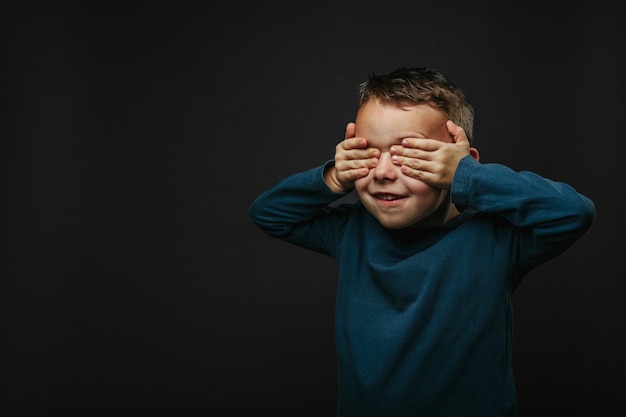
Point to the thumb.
(457, 133)
(350, 130)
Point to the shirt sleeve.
(297, 210)
(549, 216)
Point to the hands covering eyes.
(428, 160)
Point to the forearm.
(293, 201)
(550, 215)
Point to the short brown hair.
(410, 86)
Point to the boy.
(430, 254)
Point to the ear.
(474, 153)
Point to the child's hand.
(430, 160)
(353, 160)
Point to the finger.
(357, 148)
(414, 163)
(355, 174)
(415, 173)
(423, 144)
(361, 153)
(425, 176)
(457, 132)
(352, 175)
(354, 143)
(398, 153)
(355, 164)
(350, 130)
(357, 155)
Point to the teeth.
(387, 197)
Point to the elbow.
(588, 214)
(265, 221)
(258, 217)
(254, 213)
(584, 215)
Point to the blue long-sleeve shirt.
(424, 315)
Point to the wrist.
(330, 178)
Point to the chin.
(394, 224)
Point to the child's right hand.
(353, 160)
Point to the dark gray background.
(134, 139)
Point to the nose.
(385, 170)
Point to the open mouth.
(388, 197)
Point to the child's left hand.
(430, 160)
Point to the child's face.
(395, 199)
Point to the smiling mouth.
(388, 197)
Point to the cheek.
(361, 184)
(419, 188)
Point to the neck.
(446, 211)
